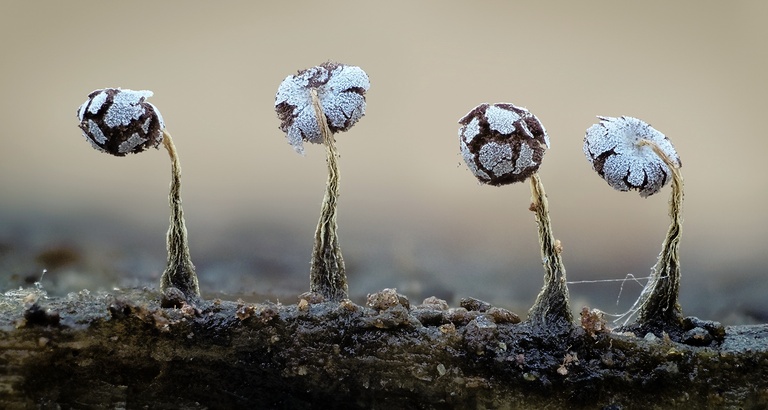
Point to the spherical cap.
(341, 90)
(502, 143)
(121, 121)
(614, 148)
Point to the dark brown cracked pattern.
(120, 121)
(502, 143)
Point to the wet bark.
(123, 350)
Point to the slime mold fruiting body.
(121, 121)
(630, 154)
(313, 105)
(503, 144)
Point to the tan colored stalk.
(327, 274)
(180, 272)
(551, 306)
(659, 300)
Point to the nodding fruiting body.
(616, 149)
(339, 88)
(503, 144)
(631, 155)
(121, 121)
(313, 105)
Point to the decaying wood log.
(124, 350)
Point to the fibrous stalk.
(551, 307)
(327, 273)
(659, 299)
(180, 272)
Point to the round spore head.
(617, 153)
(502, 143)
(341, 90)
(120, 122)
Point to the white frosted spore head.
(341, 90)
(614, 148)
(502, 143)
(120, 121)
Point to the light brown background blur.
(411, 215)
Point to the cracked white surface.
(121, 121)
(613, 148)
(499, 146)
(341, 91)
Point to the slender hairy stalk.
(180, 272)
(659, 300)
(327, 275)
(551, 306)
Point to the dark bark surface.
(123, 350)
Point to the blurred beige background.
(411, 215)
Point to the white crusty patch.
(339, 105)
(469, 158)
(497, 158)
(95, 131)
(294, 92)
(93, 143)
(81, 110)
(524, 159)
(614, 144)
(470, 130)
(132, 142)
(126, 107)
(97, 102)
(501, 120)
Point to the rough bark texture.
(123, 350)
